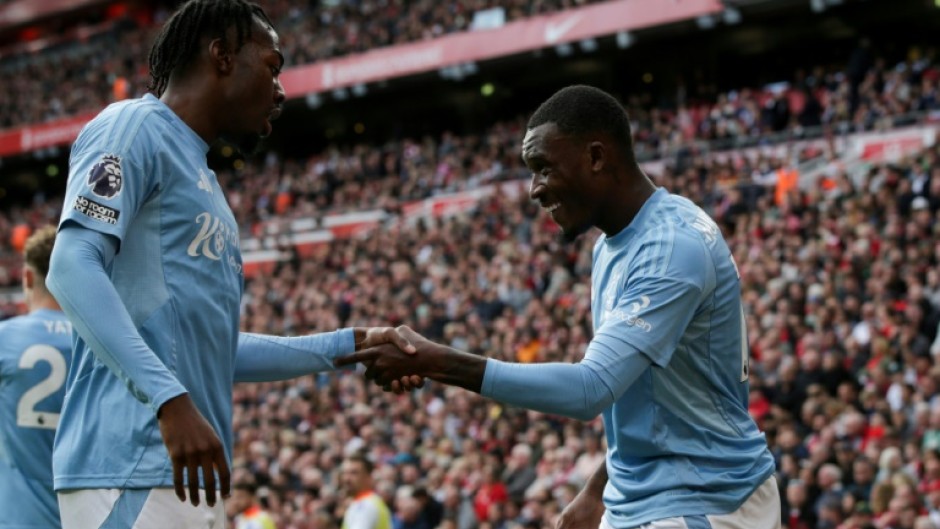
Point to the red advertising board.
(20, 12)
(35, 137)
(528, 34)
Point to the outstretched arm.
(262, 357)
(605, 373)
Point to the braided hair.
(178, 42)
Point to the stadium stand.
(828, 191)
(310, 32)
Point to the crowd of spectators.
(841, 283)
(865, 93)
(842, 292)
(840, 279)
(84, 76)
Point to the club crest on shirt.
(106, 178)
(204, 182)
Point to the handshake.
(399, 359)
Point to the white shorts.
(136, 509)
(760, 511)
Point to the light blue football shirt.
(667, 370)
(681, 441)
(35, 352)
(139, 173)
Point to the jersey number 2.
(26, 414)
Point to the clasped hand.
(391, 367)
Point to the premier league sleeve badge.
(105, 178)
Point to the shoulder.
(12, 324)
(11, 334)
(681, 223)
(670, 248)
(366, 504)
(670, 238)
(122, 127)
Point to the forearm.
(262, 358)
(555, 388)
(77, 268)
(581, 391)
(457, 368)
(596, 483)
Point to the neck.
(188, 103)
(627, 202)
(38, 300)
(363, 493)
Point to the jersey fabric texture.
(147, 227)
(667, 369)
(668, 286)
(35, 352)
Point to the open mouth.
(552, 209)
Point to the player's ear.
(597, 154)
(220, 55)
(29, 278)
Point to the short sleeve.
(665, 284)
(107, 186)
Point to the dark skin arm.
(367, 337)
(192, 444)
(386, 364)
(587, 508)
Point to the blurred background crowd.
(840, 279)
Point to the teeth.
(553, 207)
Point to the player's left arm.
(643, 327)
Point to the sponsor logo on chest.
(631, 314)
(215, 237)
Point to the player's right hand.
(192, 444)
(584, 512)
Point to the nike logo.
(554, 32)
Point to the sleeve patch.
(94, 210)
(106, 179)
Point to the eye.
(275, 71)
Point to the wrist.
(359, 337)
(180, 401)
(433, 366)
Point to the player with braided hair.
(148, 269)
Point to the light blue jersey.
(35, 352)
(139, 173)
(667, 369)
(680, 439)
